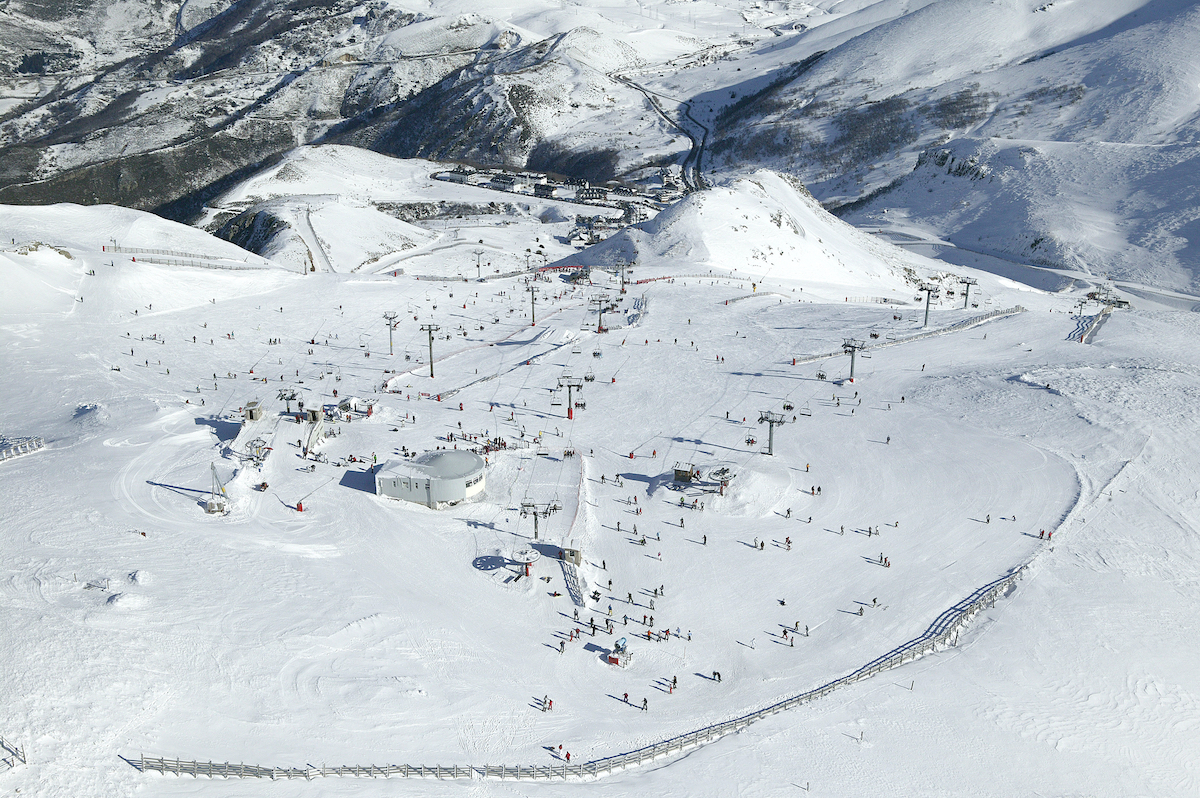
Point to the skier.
(860, 610)
(989, 519)
(789, 513)
(562, 646)
(889, 439)
(681, 523)
(627, 698)
(704, 539)
(645, 705)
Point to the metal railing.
(19, 446)
(941, 633)
(196, 264)
(10, 755)
(957, 326)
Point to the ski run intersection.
(366, 630)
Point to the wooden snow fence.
(942, 633)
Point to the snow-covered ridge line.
(942, 632)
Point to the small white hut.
(436, 479)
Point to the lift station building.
(435, 479)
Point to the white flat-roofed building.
(435, 479)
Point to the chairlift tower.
(600, 302)
(390, 318)
(532, 305)
(623, 266)
(288, 395)
(930, 293)
(431, 329)
(217, 497)
(537, 510)
(478, 253)
(773, 420)
(852, 346)
(967, 282)
(570, 382)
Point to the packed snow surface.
(364, 630)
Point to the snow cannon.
(620, 655)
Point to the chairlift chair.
(555, 399)
(821, 375)
(788, 406)
(590, 376)
(805, 411)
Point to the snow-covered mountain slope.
(366, 631)
(543, 106)
(1128, 212)
(297, 212)
(61, 260)
(92, 228)
(847, 96)
(1082, 118)
(765, 227)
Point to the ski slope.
(368, 630)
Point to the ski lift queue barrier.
(941, 633)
